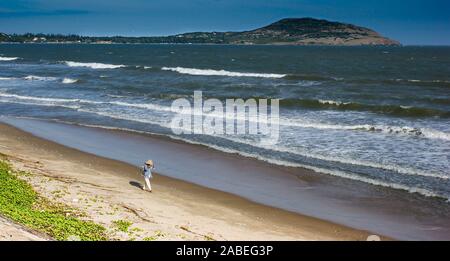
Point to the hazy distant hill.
(290, 31)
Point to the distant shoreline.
(288, 31)
(213, 44)
(218, 44)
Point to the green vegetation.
(158, 234)
(122, 225)
(19, 202)
(285, 31)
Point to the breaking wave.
(8, 58)
(7, 78)
(404, 130)
(211, 72)
(93, 65)
(39, 78)
(33, 98)
(69, 80)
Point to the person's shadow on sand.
(136, 184)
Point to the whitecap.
(331, 102)
(94, 65)
(211, 72)
(49, 104)
(5, 59)
(39, 78)
(7, 78)
(69, 80)
(33, 98)
(405, 130)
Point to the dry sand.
(108, 190)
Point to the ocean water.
(379, 115)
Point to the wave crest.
(405, 130)
(2, 58)
(39, 78)
(211, 72)
(94, 65)
(69, 80)
(7, 78)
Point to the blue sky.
(423, 22)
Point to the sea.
(377, 115)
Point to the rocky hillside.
(297, 31)
(304, 31)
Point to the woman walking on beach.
(148, 166)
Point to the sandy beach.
(109, 190)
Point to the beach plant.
(152, 238)
(122, 225)
(158, 234)
(137, 229)
(208, 238)
(20, 203)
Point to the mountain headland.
(288, 31)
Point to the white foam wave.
(441, 81)
(39, 78)
(7, 78)
(63, 100)
(94, 65)
(148, 106)
(2, 58)
(303, 83)
(46, 104)
(331, 102)
(69, 80)
(421, 81)
(116, 96)
(211, 72)
(405, 130)
(435, 134)
(33, 98)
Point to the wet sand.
(389, 212)
(176, 209)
